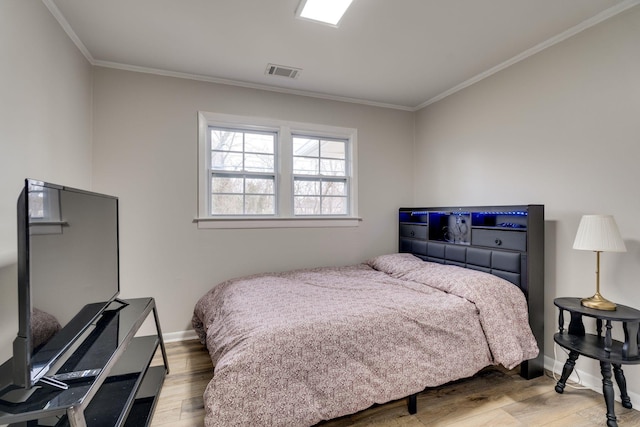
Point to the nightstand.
(601, 347)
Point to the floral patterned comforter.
(295, 348)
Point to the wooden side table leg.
(566, 371)
(607, 391)
(622, 385)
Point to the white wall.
(145, 152)
(45, 125)
(563, 129)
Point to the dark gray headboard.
(505, 264)
(507, 241)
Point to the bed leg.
(412, 403)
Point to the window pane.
(334, 188)
(330, 167)
(333, 149)
(259, 143)
(334, 206)
(226, 140)
(304, 187)
(260, 205)
(258, 162)
(305, 205)
(222, 160)
(306, 147)
(222, 204)
(305, 166)
(226, 185)
(259, 186)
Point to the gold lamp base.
(598, 302)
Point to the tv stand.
(108, 378)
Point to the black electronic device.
(68, 274)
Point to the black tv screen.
(68, 272)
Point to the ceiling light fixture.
(325, 11)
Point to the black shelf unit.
(507, 241)
(109, 377)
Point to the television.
(68, 274)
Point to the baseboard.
(180, 336)
(587, 379)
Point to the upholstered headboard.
(508, 265)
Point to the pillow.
(395, 264)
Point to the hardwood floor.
(494, 397)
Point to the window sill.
(308, 222)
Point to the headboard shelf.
(507, 241)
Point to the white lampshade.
(599, 233)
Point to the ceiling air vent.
(282, 71)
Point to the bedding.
(296, 348)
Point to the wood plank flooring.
(494, 397)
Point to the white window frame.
(284, 216)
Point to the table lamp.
(598, 233)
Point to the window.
(320, 176)
(256, 172)
(243, 180)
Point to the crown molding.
(67, 29)
(586, 24)
(230, 82)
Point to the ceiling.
(402, 54)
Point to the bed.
(299, 347)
